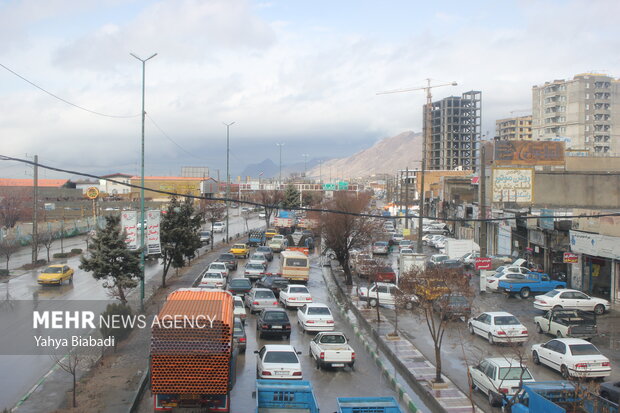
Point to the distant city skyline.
(296, 72)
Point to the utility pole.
(305, 156)
(142, 255)
(35, 223)
(280, 145)
(228, 125)
(426, 142)
(320, 171)
(407, 198)
(483, 202)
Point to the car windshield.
(440, 258)
(299, 290)
(514, 373)
(381, 244)
(552, 293)
(239, 246)
(333, 339)
(583, 350)
(240, 282)
(281, 357)
(506, 320)
(264, 294)
(263, 249)
(239, 303)
(254, 266)
(319, 311)
(53, 270)
(275, 316)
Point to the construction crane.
(426, 139)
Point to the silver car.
(260, 298)
(254, 271)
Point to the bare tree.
(70, 364)
(213, 211)
(46, 239)
(8, 247)
(434, 288)
(343, 232)
(271, 200)
(13, 207)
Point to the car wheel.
(71, 282)
(525, 292)
(605, 395)
(557, 308)
(564, 371)
(409, 305)
(372, 302)
(471, 329)
(318, 364)
(599, 309)
(490, 338)
(493, 399)
(539, 329)
(559, 334)
(535, 358)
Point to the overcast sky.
(304, 73)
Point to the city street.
(364, 380)
(26, 370)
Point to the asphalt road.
(364, 380)
(460, 348)
(26, 370)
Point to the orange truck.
(192, 359)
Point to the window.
(490, 371)
(583, 350)
(319, 311)
(281, 357)
(506, 321)
(514, 373)
(296, 262)
(382, 289)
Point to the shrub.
(4, 272)
(121, 333)
(76, 251)
(61, 255)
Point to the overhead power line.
(172, 140)
(65, 100)
(322, 210)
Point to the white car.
(219, 227)
(218, 267)
(383, 294)
(493, 281)
(295, 295)
(404, 244)
(398, 237)
(404, 251)
(499, 376)
(259, 258)
(571, 300)
(498, 327)
(278, 362)
(212, 279)
(380, 248)
(572, 357)
(315, 317)
(239, 308)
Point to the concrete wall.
(593, 163)
(577, 189)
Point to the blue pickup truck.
(534, 282)
(285, 396)
(368, 404)
(559, 397)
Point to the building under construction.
(455, 130)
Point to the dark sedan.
(229, 259)
(610, 390)
(275, 284)
(266, 251)
(273, 321)
(239, 286)
(452, 306)
(239, 335)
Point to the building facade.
(454, 132)
(583, 111)
(113, 184)
(516, 128)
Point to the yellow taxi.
(240, 250)
(270, 232)
(56, 274)
(431, 289)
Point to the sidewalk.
(113, 381)
(409, 361)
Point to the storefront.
(598, 265)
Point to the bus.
(295, 266)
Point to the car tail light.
(581, 365)
(265, 325)
(266, 373)
(605, 364)
(310, 322)
(297, 373)
(247, 273)
(503, 390)
(255, 303)
(524, 332)
(541, 302)
(322, 355)
(501, 333)
(330, 321)
(287, 326)
(275, 303)
(490, 281)
(242, 339)
(292, 298)
(353, 356)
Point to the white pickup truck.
(331, 349)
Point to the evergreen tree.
(291, 198)
(180, 235)
(112, 261)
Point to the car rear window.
(333, 339)
(275, 316)
(381, 244)
(264, 294)
(300, 290)
(212, 275)
(281, 357)
(238, 246)
(319, 311)
(506, 320)
(239, 303)
(240, 282)
(296, 262)
(583, 350)
(254, 266)
(514, 373)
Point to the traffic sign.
(329, 187)
(483, 263)
(92, 192)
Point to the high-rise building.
(455, 132)
(516, 128)
(584, 112)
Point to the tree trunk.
(48, 252)
(121, 294)
(348, 279)
(74, 386)
(438, 378)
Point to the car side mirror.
(255, 351)
(298, 352)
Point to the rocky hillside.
(386, 156)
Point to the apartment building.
(583, 111)
(515, 128)
(455, 130)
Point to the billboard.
(529, 153)
(513, 185)
(153, 245)
(129, 223)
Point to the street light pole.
(142, 184)
(280, 145)
(228, 125)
